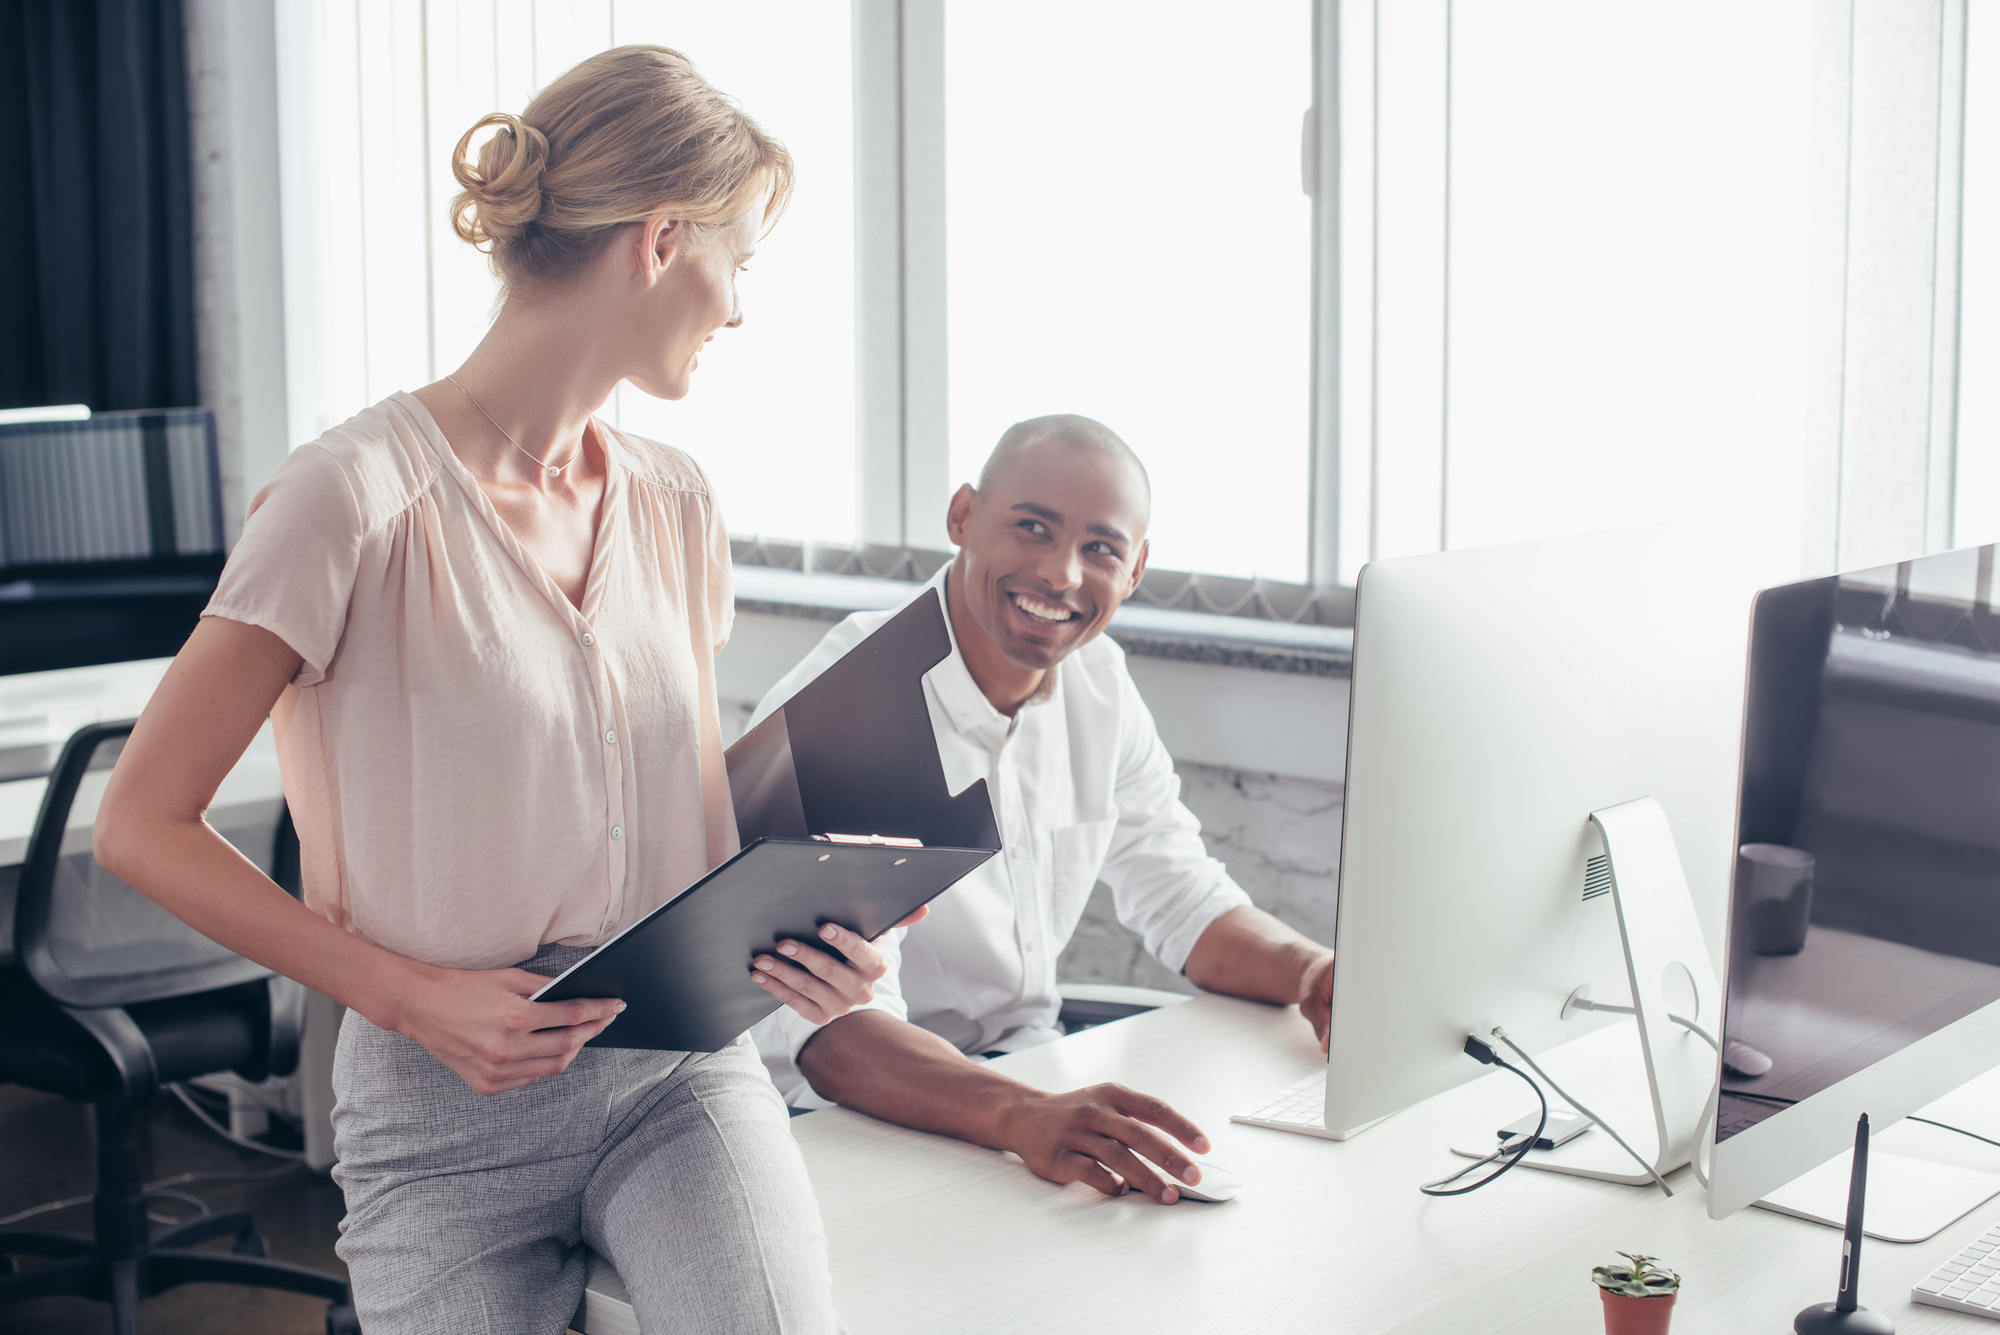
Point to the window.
(1585, 297)
(1127, 238)
(774, 400)
(381, 295)
(1562, 266)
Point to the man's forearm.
(894, 1070)
(1248, 953)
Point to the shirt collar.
(964, 703)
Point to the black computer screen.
(1865, 908)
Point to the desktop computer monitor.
(1864, 931)
(1501, 696)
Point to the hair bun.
(502, 194)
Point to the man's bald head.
(1070, 429)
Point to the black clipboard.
(851, 756)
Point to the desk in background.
(929, 1234)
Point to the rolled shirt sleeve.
(781, 1035)
(1164, 885)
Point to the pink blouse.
(475, 766)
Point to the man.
(1034, 701)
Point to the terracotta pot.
(1626, 1315)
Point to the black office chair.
(114, 997)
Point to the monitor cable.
(1515, 1048)
(1481, 1051)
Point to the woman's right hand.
(481, 1024)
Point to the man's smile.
(1041, 609)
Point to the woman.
(484, 626)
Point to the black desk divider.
(852, 753)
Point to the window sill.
(1147, 632)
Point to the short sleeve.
(293, 570)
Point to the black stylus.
(1845, 1315)
(1850, 1252)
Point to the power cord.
(1562, 1094)
(1482, 1051)
(180, 1092)
(164, 1187)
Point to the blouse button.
(611, 737)
(588, 639)
(618, 832)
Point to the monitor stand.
(1653, 1091)
(1909, 1200)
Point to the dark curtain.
(96, 214)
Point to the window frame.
(902, 442)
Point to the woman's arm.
(151, 833)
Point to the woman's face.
(689, 294)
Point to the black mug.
(1778, 883)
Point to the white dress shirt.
(1082, 791)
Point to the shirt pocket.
(1076, 859)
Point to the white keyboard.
(1968, 1282)
(1300, 1107)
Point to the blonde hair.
(625, 134)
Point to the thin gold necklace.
(553, 470)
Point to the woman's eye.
(1033, 526)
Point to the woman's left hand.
(816, 984)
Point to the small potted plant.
(1638, 1295)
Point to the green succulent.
(1644, 1277)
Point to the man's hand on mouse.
(1089, 1135)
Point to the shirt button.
(588, 639)
(1018, 852)
(611, 737)
(618, 832)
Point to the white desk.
(931, 1235)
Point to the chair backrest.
(90, 940)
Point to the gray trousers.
(470, 1214)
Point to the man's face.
(1051, 548)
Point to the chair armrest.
(125, 1044)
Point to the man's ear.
(958, 516)
(1139, 567)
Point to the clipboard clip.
(877, 840)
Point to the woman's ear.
(661, 240)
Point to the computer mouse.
(1217, 1183)
(1740, 1059)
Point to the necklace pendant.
(555, 470)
